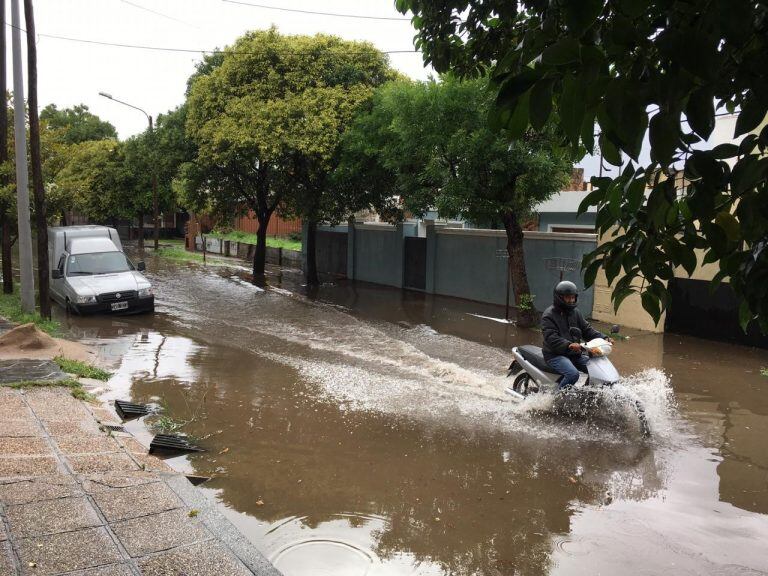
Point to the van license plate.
(119, 305)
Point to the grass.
(75, 387)
(246, 238)
(10, 309)
(764, 371)
(179, 253)
(168, 425)
(81, 369)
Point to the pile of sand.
(28, 341)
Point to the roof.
(567, 201)
(91, 245)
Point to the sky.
(71, 72)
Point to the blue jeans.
(569, 367)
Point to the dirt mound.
(28, 341)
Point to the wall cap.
(530, 234)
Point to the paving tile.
(133, 501)
(19, 370)
(112, 570)
(27, 466)
(51, 517)
(133, 446)
(67, 552)
(14, 411)
(152, 463)
(24, 447)
(87, 444)
(3, 534)
(6, 564)
(19, 428)
(95, 463)
(205, 559)
(24, 491)
(75, 427)
(158, 532)
(94, 483)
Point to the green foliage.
(82, 369)
(180, 253)
(526, 302)
(430, 144)
(764, 371)
(247, 238)
(75, 387)
(10, 309)
(267, 118)
(76, 124)
(636, 68)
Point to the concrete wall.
(465, 263)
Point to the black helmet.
(565, 288)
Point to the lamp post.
(156, 233)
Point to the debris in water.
(224, 451)
(193, 513)
(259, 502)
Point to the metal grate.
(113, 427)
(197, 480)
(173, 443)
(127, 410)
(114, 296)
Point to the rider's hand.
(576, 347)
(611, 340)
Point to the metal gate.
(415, 263)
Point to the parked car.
(91, 274)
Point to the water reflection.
(326, 469)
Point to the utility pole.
(41, 214)
(22, 184)
(5, 216)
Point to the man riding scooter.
(561, 353)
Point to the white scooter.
(533, 375)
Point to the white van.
(91, 274)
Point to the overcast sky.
(73, 72)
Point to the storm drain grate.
(113, 427)
(128, 410)
(170, 442)
(197, 480)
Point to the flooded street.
(365, 431)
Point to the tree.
(636, 67)
(76, 124)
(259, 119)
(7, 204)
(41, 216)
(433, 137)
(96, 179)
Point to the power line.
(174, 49)
(335, 14)
(155, 12)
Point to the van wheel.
(69, 308)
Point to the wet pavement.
(364, 430)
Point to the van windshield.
(98, 263)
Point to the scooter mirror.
(615, 329)
(576, 334)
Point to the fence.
(276, 227)
(465, 263)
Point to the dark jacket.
(556, 326)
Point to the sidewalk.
(78, 496)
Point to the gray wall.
(464, 263)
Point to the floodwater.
(362, 430)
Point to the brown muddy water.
(364, 431)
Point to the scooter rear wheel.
(520, 384)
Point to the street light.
(154, 176)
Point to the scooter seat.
(534, 355)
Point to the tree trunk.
(64, 217)
(41, 215)
(310, 272)
(7, 253)
(519, 277)
(4, 217)
(260, 254)
(141, 231)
